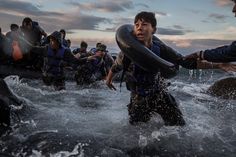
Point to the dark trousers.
(4, 113)
(141, 108)
(57, 81)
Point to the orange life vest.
(17, 53)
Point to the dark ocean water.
(88, 121)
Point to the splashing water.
(93, 121)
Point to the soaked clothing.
(54, 62)
(57, 82)
(109, 61)
(221, 54)
(141, 108)
(53, 68)
(94, 70)
(148, 92)
(32, 36)
(65, 43)
(91, 71)
(80, 51)
(16, 51)
(4, 112)
(5, 49)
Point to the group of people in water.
(30, 47)
(148, 91)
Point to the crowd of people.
(29, 46)
(148, 94)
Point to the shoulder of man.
(167, 52)
(234, 43)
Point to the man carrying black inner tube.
(148, 92)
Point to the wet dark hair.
(147, 17)
(63, 31)
(102, 47)
(27, 20)
(98, 44)
(14, 27)
(83, 44)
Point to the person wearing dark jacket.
(225, 53)
(96, 69)
(82, 51)
(148, 90)
(5, 49)
(32, 31)
(54, 58)
(12, 35)
(63, 40)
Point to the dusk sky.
(186, 25)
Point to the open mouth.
(140, 36)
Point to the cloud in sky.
(86, 22)
(192, 45)
(169, 31)
(104, 5)
(142, 5)
(223, 3)
(218, 17)
(178, 27)
(176, 30)
(14, 11)
(90, 18)
(159, 13)
(25, 8)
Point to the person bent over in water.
(82, 51)
(95, 69)
(148, 90)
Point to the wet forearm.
(118, 65)
(208, 65)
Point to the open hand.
(228, 67)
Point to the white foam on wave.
(78, 151)
(13, 80)
(194, 89)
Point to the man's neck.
(148, 43)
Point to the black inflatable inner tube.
(141, 55)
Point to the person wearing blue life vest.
(55, 57)
(225, 53)
(148, 90)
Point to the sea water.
(91, 120)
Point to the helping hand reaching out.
(228, 67)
